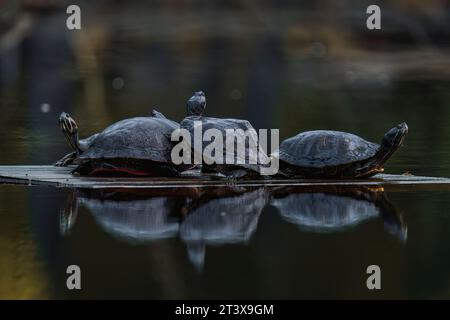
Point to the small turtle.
(137, 146)
(332, 154)
(244, 164)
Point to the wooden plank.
(61, 177)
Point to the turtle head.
(196, 104)
(70, 129)
(395, 136)
(67, 124)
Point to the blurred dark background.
(292, 65)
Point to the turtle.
(326, 154)
(138, 146)
(246, 164)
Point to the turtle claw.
(235, 175)
(62, 163)
(66, 160)
(231, 180)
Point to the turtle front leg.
(235, 175)
(68, 159)
(367, 174)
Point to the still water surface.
(227, 243)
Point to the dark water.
(261, 243)
(275, 67)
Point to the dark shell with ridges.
(322, 148)
(146, 138)
(250, 160)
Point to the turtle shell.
(248, 133)
(146, 138)
(321, 148)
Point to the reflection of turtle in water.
(133, 218)
(229, 219)
(246, 163)
(213, 216)
(333, 154)
(136, 146)
(336, 210)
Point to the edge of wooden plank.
(60, 177)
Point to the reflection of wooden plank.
(61, 177)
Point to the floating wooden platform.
(61, 177)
